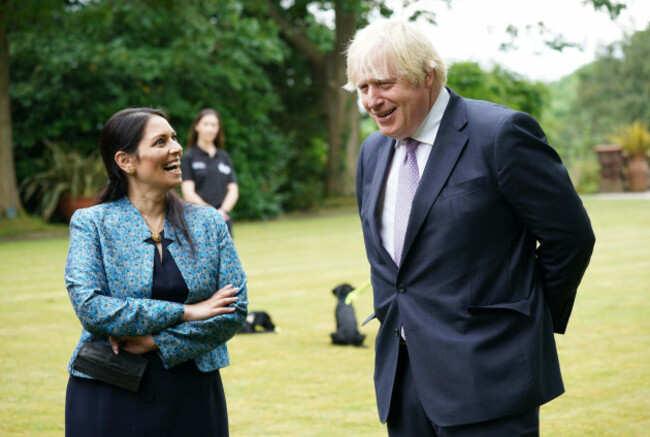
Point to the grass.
(295, 383)
(25, 226)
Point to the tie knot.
(411, 144)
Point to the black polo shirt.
(211, 176)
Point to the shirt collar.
(427, 131)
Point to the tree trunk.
(9, 201)
(342, 112)
(340, 106)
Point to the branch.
(295, 37)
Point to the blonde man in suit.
(477, 242)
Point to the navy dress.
(181, 401)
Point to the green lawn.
(294, 383)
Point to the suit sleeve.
(359, 179)
(99, 312)
(535, 183)
(189, 340)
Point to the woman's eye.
(160, 141)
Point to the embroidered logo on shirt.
(198, 165)
(223, 168)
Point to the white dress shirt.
(426, 135)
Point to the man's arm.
(537, 186)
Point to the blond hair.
(389, 48)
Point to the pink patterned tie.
(407, 183)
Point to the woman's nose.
(176, 147)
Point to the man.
(477, 242)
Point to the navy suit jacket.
(496, 245)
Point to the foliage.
(498, 85)
(558, 41)
(303, 123)
(634, 138)
(179, 55)
(615, 90)
(64, 171)
(587, 107)
(585, 174)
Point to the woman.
(142, 273)
(208, 175)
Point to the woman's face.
(158, 161)
(207, 128)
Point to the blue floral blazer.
(109, 275)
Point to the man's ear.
(124, 161)
(430, 78)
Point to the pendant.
(155, 236)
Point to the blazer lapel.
(185, 260)
(137, 255)
(447, 148)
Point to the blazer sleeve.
(535, 183)
(189, 340)
(99, 312)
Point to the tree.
(498, 85)
(589, 105)
(301, 30)
(177, 55)
(9, 200)
(298, 24)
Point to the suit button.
(401, 288)
(396, 332)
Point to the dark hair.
(122, 133)
(220, 139)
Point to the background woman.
(208, 175)
(142, 273)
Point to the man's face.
(397, 106)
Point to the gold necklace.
(155, 235)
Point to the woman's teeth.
(174, 165)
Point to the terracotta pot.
(69, 204)
(637, 173)
(610, 158)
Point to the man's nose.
(373, 96)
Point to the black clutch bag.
(98, 360)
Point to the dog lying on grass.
(257, 322)
(346, 320)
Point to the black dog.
(346, 320)
(257, 322)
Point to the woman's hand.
(215, 305)
(136, 345)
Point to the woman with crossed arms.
(154, 276)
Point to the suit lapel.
(447, 148)
(385, 156)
